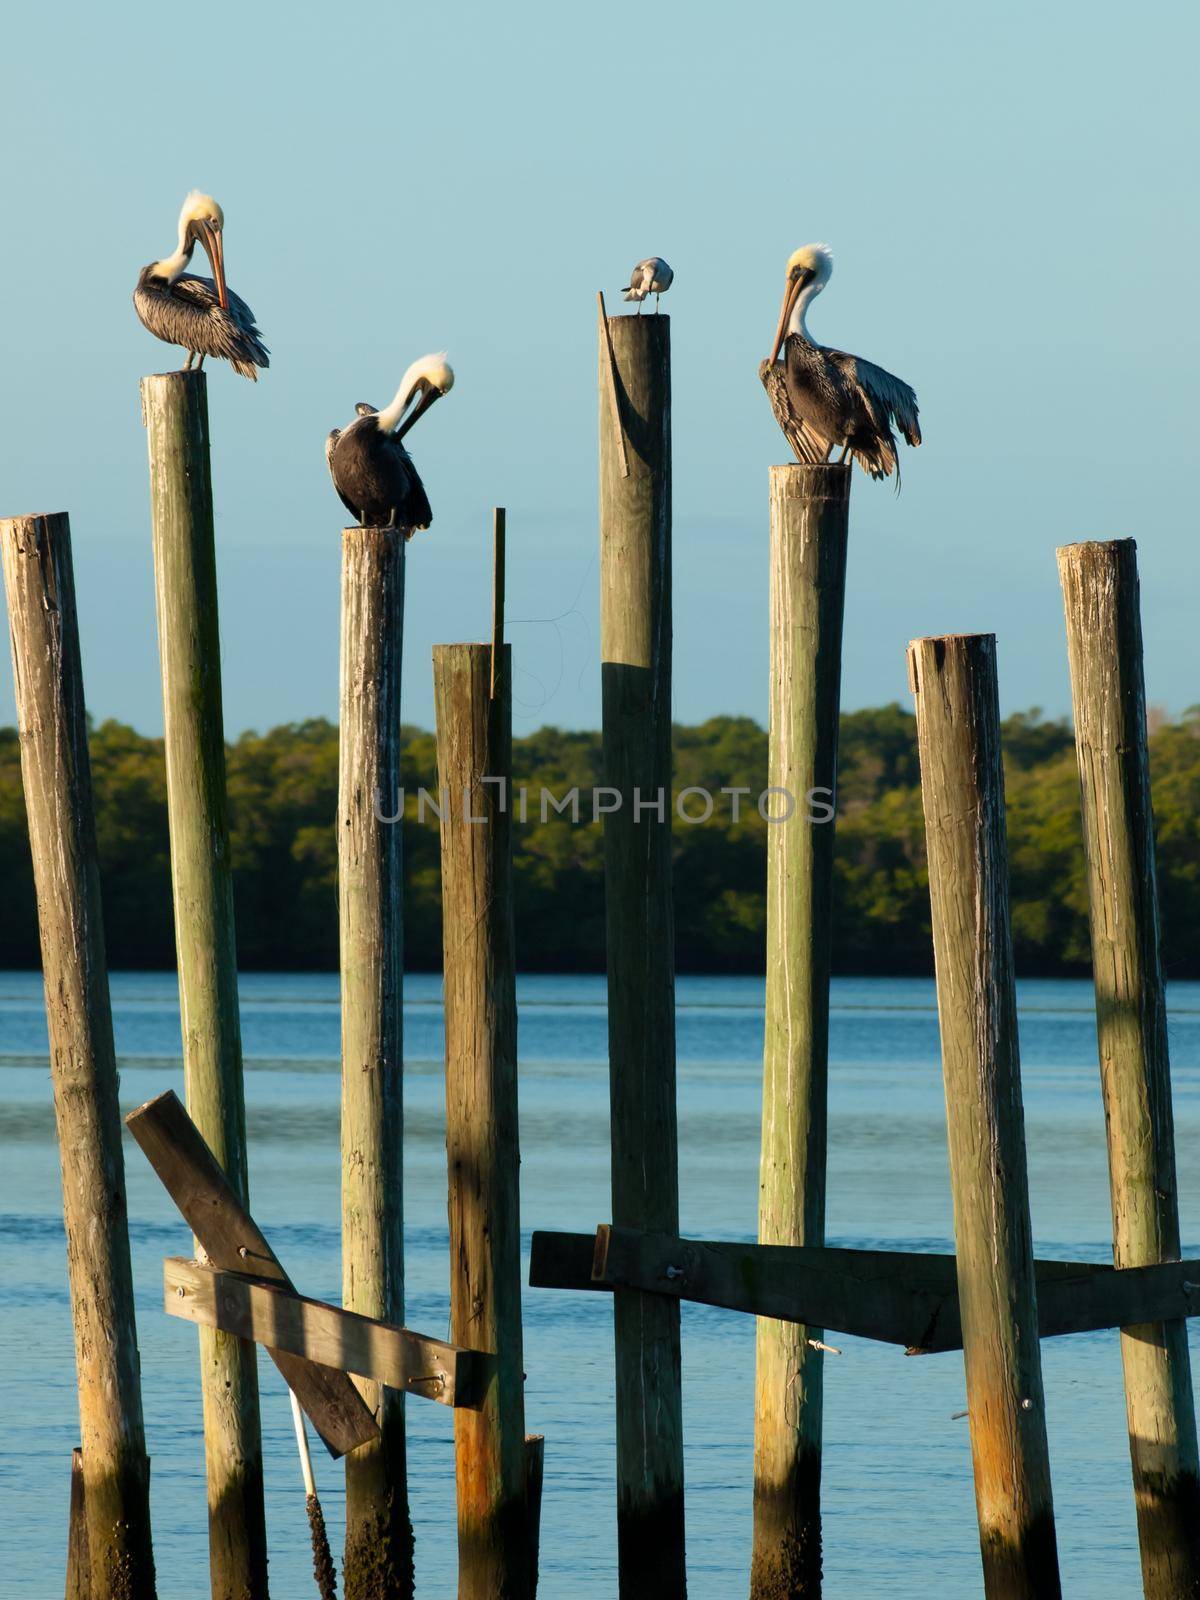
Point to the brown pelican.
(201, 314)
(371, 470)
(651, 276)
(822, 397)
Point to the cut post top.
(936, 648)
(817, 480)
(14, 524)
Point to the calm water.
(898, 1500)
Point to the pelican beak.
(790, 294)
(431, 394)
(214, 249)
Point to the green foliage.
(283, 798)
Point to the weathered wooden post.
(115, 1559)
(635, 641)
(962, 784)
(175, 410)
(1104, 641)
(379, 1553)
(474, 736)
(809, 517)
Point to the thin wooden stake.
(56, 773)
(1104, 642)
(809, 521)
(474, 739)
(635, 638)
(962, 784)
(608, 380)
(498, 561)
(175, 409)
(79, 1577)
(535, 1468)
(379, 1554)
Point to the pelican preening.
(201, 314)
(651, 276)
(822, 397)
(371, 470)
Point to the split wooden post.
(635, 640)
(175, 411)
(962, 784)
(56, 772)
(474, 739)
(1104, 641)
(379, 1554)
(809, 522)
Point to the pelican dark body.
(202, 315)
(823, 397)
(372, 472)
(374, 475)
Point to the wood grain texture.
(962, 785)
(231, 1240)
(810, 508)
(273, 1315)
(635, 642)
(378, 1559)
(56, 774)
(474, 743)
(175, 411)
(1104, 645)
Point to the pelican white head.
(200, 219)
(427, 380)
(809, 269)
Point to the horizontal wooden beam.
(231, 1240)
(899, 1297)
(281, 1319)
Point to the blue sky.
(1009, 192)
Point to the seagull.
(651, 276)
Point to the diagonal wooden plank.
(232, 1241)
(899, 1297)
(279, 1318)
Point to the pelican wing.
(890, 398)
(804, 440)
(232, 335)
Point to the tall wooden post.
(379, 1554)
(635, 642)
(175, 410)
(962, 784)
(809, 516)
(474, 736)
(56, 771)
(1104, 641)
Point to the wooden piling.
(56, 772)
(474, 738)
(635, 637)
(1104, 641)
(379, 1551)
(175, 411)
(809, 520)
(962, 784)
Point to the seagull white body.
(651, 276)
